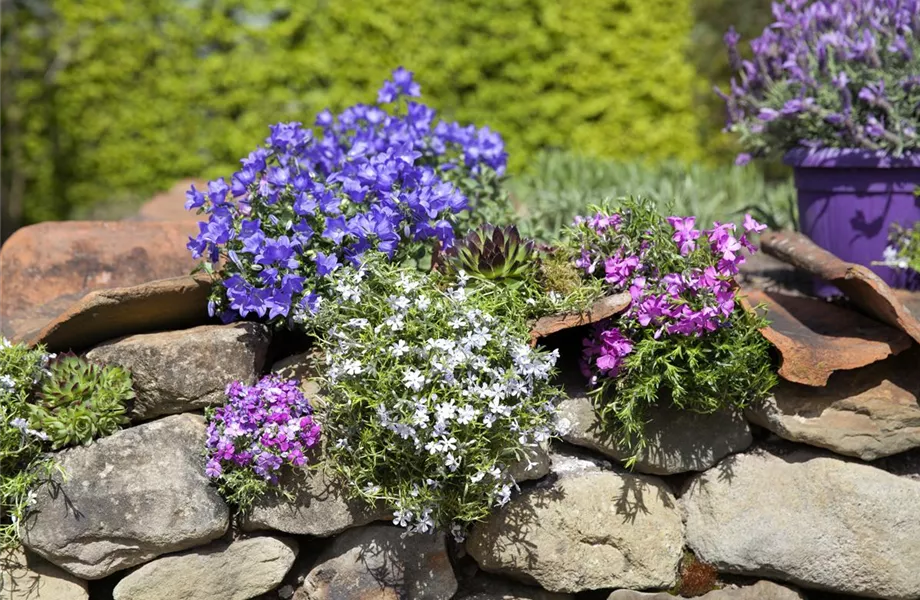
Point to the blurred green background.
(106, 102)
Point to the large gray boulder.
(585, 528)
(678, 440)
(319, 506)
(377, 561)
(809, 519)
(869, 413)
(762, 590)
(189, 369)
(237, 570)
(128, 498)
(26, 576)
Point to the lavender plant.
(431, 396)
(260, 429)
(684, 339)
(829, 74)
(386, 177)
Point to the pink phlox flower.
(619, 269)
(684, 233)
(751, 225)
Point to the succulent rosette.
(829, 74)
(386, 177)
(495, 253)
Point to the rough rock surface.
(534, 465)
(103, 315)
(678, 441)
(237, 570)
(589, 529)
(320, 507)
(128, 498)
(486, 587)
(870, 412)
(377, 562)
(762, 590)
(179, 371)
(25, 576)
(46, 267)
(809, 519)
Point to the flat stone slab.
(869, 413)
(810, 519)
(104, 315)
(319, 506)
(762, 590)
(128, 498)
(602, 309)
(816, 338)
(237, 570)
(187, 369)
(590, 529)
(678, 440)
(44, 268)
(27, 576)
(378, 561)
(863, 287)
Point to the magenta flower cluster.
(696, 295)
(374, 177)
(829, 73)
(261, 428)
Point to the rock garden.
(348, 375)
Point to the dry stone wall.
(136, 518)
(814, 494)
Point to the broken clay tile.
(815, 338)
(102, 315)
(600, 310)
(863, 287)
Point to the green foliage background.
(112, 99)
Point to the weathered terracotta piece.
(815, 338)
(103, 315)
(45, 268)
(600, 310)
(863, 287)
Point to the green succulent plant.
(496, 254)
(81, 401)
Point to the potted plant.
(834, 86)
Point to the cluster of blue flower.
(305, 203)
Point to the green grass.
(560, 185)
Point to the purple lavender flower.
(862, 51)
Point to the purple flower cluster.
(308, 201)
(261, 428)
(829, 73)
(684, 290)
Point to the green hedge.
(119, 98)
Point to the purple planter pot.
(848, 200)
